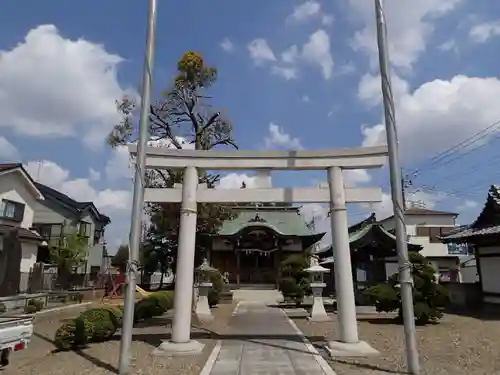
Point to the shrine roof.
(486, 224)
(285, 221)
(364, 234)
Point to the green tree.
(183, 117)
(429, 297)
(70, 253)
(120, 259)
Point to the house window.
(84, 229)
(433, 233)
(12, 210)
(98, 234)
(49, 231)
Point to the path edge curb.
(310, 347)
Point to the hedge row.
(99, 324)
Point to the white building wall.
(13, 186)
(429, 249)
(490, 277)
(29, 254)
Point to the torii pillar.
(348, 344)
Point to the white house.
(426, 227)
(18, 197)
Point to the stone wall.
(464, 295)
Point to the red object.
(113, 285)
(19, 346)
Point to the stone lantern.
(318, 313)
(202, 309)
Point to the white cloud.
(370, 89)
(440, 114)
(449, 45)
(278, 138)
(306, 99)
(260, 52)
(482, 32)
(51, 86)
(94, 175)
(305, 11)
(317, 52)
(385, 209)
(290, 55)
(51, 174)
(285, 72)
(7, 150)
(235, 180)
(355, 177)
(227, 45)
(327, 19)
(309, 10)
(119, 164)
(467, 205)
(410, 26)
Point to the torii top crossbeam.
(348, 158)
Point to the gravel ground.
(102, 358)
(457, 345)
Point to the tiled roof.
(8, 166)
(23, 232)
(367, 227)
(424, 212)
(485, 223)
(284, 221)
(72, 204)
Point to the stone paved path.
(264, 342)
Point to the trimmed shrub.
(428, 296)
(65, 336)
(103, 322)
(217, 287)
(213, 297)
(83, 331)
(30, 309)
(165, 299)
(37, 303)
(2, 308)
(116, 315)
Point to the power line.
(442, 156)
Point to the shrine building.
(250, 248)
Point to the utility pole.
(138, 197)
(405, 277)
(405, 183)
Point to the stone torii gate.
(191, 193)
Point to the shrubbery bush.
(30, 309)
(33, 306)
(428, 296)
(37, 303)
(101, 323)
(294, 281)
(217, 288)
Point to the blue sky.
(291, 74)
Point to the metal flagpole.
(138, 198)
(406, 281)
